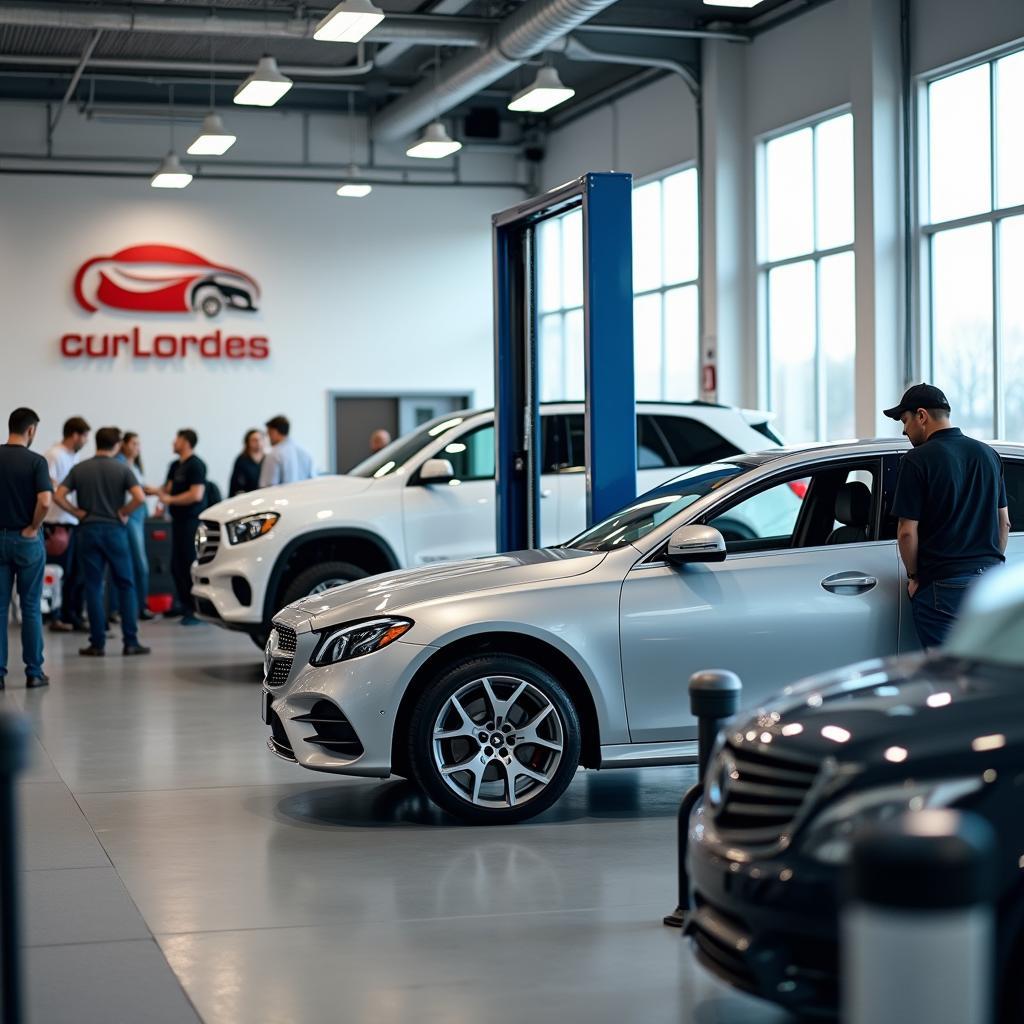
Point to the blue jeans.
(140, 564)
(22, 561)
(101, 545)
(936, 606)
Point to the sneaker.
(134, 649)
(146, 615)
(190, 620)
(61, 627)
(92, 652)
(31, 682)
(114, 617)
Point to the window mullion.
(998, 406)
(819, 371)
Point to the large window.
(665, 272)
(805, 246)
(973, 231)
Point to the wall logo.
(163, 279)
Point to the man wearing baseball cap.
(951, 503)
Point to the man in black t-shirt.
(184, 496)
(100, 485)
(950, 499)
(25, 493)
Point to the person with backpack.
(184, 495)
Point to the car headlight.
(357, 639)
(250, 527)
(830, 835)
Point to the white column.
(728, 337)
(874, 42)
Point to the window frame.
(562, 311)
(925, 230)
(764, 266)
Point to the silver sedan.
(490, 682)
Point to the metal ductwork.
(440, 31)
(534, 27)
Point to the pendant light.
(213, 139)
(170, 173)
(349, 22)
(435, 143)
(546, 91)
(265, 86)
(352, 187)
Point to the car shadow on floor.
(620, 795)
(242, 673)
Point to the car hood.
(317, 494)
(936, 706)
(400, 592)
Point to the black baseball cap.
(920, 396)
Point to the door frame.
(332, 421)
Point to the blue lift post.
(610, 393)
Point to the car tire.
(211, 305)
(519, 701)
(318, 578)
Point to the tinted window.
(472, 454)
(651, 450)
(693, 443)
(1014, 472)
(554, 444)
(655, 447)
(392, 458)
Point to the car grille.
(762, 793)
(207, 541)
(722, 943)
(332, 730)
(283, 645)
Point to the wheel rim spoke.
(479, 756)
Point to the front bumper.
(339, 718)
(769, 927)
(229, 590)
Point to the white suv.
(428, 497)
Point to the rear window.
(694, 443)
(765, 429)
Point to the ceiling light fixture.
(353, 188)
(349, 22)
(731, 3)
(265, 86)
(170, 174)
(434, 144)
(546, 91)
(213, 139)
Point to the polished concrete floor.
(175, 871)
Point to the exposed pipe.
(187, 66)
(572, 48)
(531, 29)
(421, 28)
(654, 32)
(387, 55)
(73, 84)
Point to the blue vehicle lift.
(610, 394)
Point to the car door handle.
(847, 581)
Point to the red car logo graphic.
(162, 279)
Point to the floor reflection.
(618, 795)
(242, 672)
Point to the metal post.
(714, 699)
(14, 733)
(917, 929)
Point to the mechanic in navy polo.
(950, 499)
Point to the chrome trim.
(639, 755)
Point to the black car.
(787, 788)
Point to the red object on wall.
(709, 378)
(163, 279)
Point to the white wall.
(389, 293)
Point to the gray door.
(799, 593)
(355, 419)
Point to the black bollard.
(14, 733)
(714, 699)
(917, 925)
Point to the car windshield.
(656, 507)
(392, 458)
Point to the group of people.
(88, 517)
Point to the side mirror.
(437, 471)
(695, 544)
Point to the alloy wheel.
(498, 741)
(327, 585)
